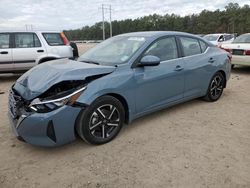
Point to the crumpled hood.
(40, 78)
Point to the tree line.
(234, 19)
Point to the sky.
(72, 14)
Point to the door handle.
(4, 52)
(178, 68)
(211, 60)
(40, 51)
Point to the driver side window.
(165, 49)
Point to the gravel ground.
(195, 144)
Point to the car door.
(158, 85)
(6, 62)
(198, 66)
(27, 48)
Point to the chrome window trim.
(166, 61)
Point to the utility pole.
(106, 8)
(103, 24)
(110, 20)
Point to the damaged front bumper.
(50, 129)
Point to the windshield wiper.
(90, 62)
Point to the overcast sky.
(71, 14)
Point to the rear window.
(190, 46)
(203, 46)
(53, 39)
(26, 40)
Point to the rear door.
(6, 62)
(199, 65)
(27, 49)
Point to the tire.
(101, 122)
(232, 66)
(215, 88)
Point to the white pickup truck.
(21, 50)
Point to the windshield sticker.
(124, 58)
(137, 38)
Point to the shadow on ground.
(241, 70)
(9, 77)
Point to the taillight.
(64, 38)
(229, 55)
(226, 49)
(247, 52)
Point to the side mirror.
(150, 60)
(221, 40)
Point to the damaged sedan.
(119, 80)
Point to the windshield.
(242, 39)
(211, 37)
(114, 51)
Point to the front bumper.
(46, 129)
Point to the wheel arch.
(124, 104)
(44, 59)
(224, 75)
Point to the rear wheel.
(215, 88)
(101, 121)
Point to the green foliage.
(234, 19)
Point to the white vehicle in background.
(219, 38)
(240, 50)
(19, 51)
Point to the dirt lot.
(195, 144)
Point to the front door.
(6, 62)
(162, 84)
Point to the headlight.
(43, 106)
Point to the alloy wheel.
(216, 86)
(104, 121)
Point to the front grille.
(237, 52)
(15, 104)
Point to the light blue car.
(119, 80)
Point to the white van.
(21, 50)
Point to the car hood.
(40, 78)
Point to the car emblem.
(238, 46)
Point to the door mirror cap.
(150, 60)
(221, 40)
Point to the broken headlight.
(48, 105)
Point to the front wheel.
(215, 88)
(101, 121)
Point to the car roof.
(153, 34)
(219, 34)
(29, 31)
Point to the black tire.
(101, 122)
(75, 49)
(215, 88)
